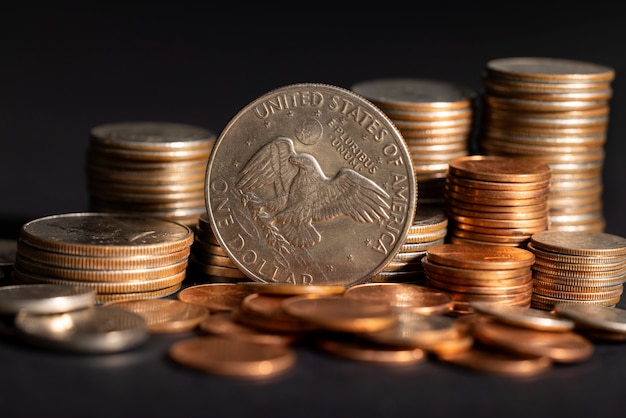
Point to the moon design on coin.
(304, 194)
(309, 132)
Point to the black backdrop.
(66, 67)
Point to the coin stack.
(120, 256)
(436, 120)
(478, 272)
(430, 227)
(556, 111)
(577, 267)
(208, 257)
(149, 168)
(497, 200)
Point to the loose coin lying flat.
(310, 184)
(217, 297)
(523, 316)
(224, 324)
(498, 362)
(165, 315)
(560, 347)
(338, 313)
(287, 289)
(45, 298)
(90, 330)
(353, 349)
(232, 357)
(601, 318)
(403, 296)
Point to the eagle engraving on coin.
(288, 191)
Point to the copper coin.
(338, 313)
(523, 316)
(367, 351)
(232, 357)
(560, 347)
(165, 315)
(403, 296)
(215, 296)
(498, 362)
(485, 257)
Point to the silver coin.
(523, 316)
(90, 330)
(44, 298)
(148, 135)
(589, 315)
(310, 184)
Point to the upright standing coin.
(310, 184)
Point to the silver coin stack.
(434, 117)
(556, 111)
(149, 168)
(120, 256)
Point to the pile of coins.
(120, 256)
(582, 267)
(149, 168)
(477, 272)
(496, 200)
(65, 317)
(209, 259)
(254, 329)
(435, 118)
(430, 227)
(555, 111)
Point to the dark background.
(66, 67)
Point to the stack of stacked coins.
(577, 267)
(430, 227)
(555, 111)
(497, 200)
(120, 256)
(149, 168)
(477, 272)
(435, 119)
(208, 257)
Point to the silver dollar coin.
(310, 184)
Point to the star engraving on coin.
(293, 189)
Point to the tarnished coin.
(310, 184)
(232, 357)
(90, 330)
(44, 298)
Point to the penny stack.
(555, 111)
(149, 168)
(577, 267)
(120, 256)
(478, 272)
(436, 120)
(496, 200)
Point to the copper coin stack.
(149, 168)
(496, 200)
(577, 267)
(555, 111)
(120, 256)
(430, 227)
(478, 272)
(436, 120)
(209, 259)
